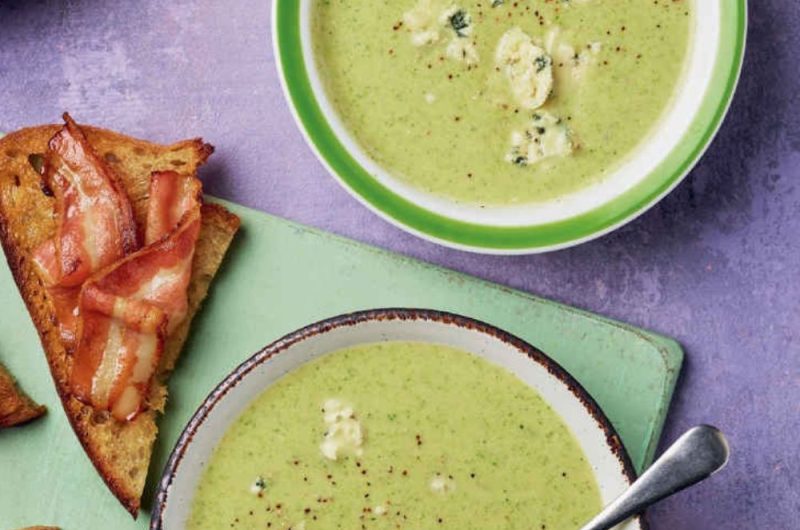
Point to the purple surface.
(716, 264)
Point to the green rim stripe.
(482, 237)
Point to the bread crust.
(16, 408)
(119, 451)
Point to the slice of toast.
(119, 450)
(16, 407)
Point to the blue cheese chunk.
(423, 23)
(463, 50)
(572, 63)
(427, 22)
(545, 136)
(458, 20)
(528, 67)
(343, 434)
(258, 486)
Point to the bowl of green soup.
(394, 419)
(509, 127)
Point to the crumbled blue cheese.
(423, 23)
(343, 434)
(427, 22)
(546, 136)
(441, 484)
(528, 67)
(379, 509)
(572, 64)
(463, 50)
(258, 485)
(458, 20)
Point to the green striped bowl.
(658, 165)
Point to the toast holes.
(111, 158)
(99, 417)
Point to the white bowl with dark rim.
(597, 438)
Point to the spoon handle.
(698, 454)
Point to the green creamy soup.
(424, 436)
(425, 89)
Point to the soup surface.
(397, 435)
(438, 92)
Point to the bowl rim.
(281, 345)
(507, 240)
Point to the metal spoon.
(695, 456)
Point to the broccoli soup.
(397, 435)
(499, 102)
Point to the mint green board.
(281, 276)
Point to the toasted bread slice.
(119, 450)
(16, 407)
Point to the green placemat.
(280, 276)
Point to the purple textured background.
(716, 264)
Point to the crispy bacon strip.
(171, 196)
(94, 216)
(129, 309)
